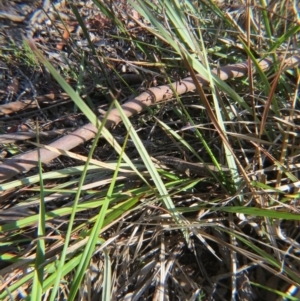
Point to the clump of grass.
(92, 235)
(21, 55)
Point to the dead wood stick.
(25, 162)
(20, 105)
(19, 136)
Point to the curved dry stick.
(20, 136)
(25, 162)
(12, 17)
(20, 105)
(51, 98)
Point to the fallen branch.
(21, 136)
(51, 99)
(25, 162)
(21, 105)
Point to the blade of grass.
(106, 292)
(229, 158)
(219, 128)
(160, 31)
(25, 222)
(285, 296)
(74, 211)
(38, 279)
(287, 35)
(150, 167)
(261, 212)
(90, 246)
(58, 174)
(190, 148)
(69, 154)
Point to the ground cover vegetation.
(149, 150)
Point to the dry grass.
(108, 220)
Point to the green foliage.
(241, 123)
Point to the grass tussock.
(213, 87)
